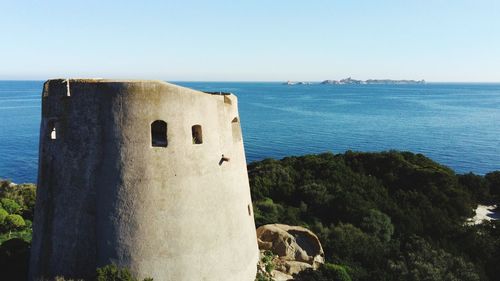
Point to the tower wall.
(106, 195)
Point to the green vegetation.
(17, 203)
(327, 272)
(267, 262)
(380, 216)
(14, 257)
(10, 205)
(383, 216)
(115, 273)
(108, 273)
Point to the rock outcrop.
(295, 248)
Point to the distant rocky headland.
(350, 81)
(297, 83)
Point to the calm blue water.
(455, 124)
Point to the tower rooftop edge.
(129, 81)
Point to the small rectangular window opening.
(159, 133)
(52, 130)
(197, 134)
(68, 91)
(249, 210)
(235, 129)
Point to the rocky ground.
(287, 250)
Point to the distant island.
(297, 83)
(350, 81)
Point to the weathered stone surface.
(127, 177)
(296, 249)
(280, 276)
(293, 267)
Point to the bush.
(378, 224)
(3, 215)
(327, 272)
(493, 180)
(17, 203)
(13, 222)
(266, 212)
(10, 206)
(265, 267)
(14, 257)
(23, 194)
(421, 261)
(114, 273)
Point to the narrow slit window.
(68, 91)
(235, 128)
(249, 208)
(52, 130)
(159, 133)
(197, 134)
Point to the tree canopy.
(384, 216)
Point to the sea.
(455, 124)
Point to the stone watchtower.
(146, 175)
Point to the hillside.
(384, 216)
(380, 216)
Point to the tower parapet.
(146, 175)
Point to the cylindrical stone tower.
(146, 175)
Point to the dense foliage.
(114, 273)
(380, 216)
(327, 272)
(17, 203)
(265, 273)
(384, 216)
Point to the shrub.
(337, 272)
(114, 273)
(23, 194)
(378, 224)
(3, 215)
(14, 256)
(493, 180)
(13, 222)
(327, 272)
(268, 261)
(264, 274)
(266, 211)
(10, 206)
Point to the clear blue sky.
(255, 40)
